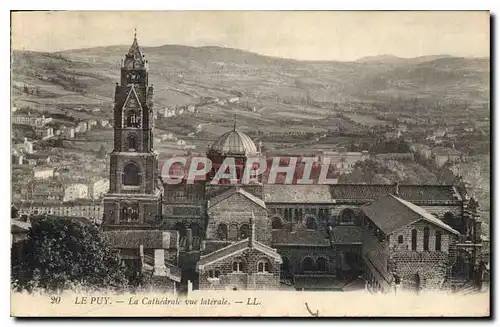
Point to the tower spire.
(234, 123)
(135, 33)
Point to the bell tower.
(134, 197)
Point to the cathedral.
(272, 236)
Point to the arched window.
(238, 265)
(438, 240)
(308, 264)
(263, 266)
(222, 232)
(233, 232)
(129, 213)
(276, 223)
(347, 216)
(132, 142)
(133, 119)
(131, 175)
(414, 240)
(181, 228)
(195, 228)
(287, 214)
(400, 239)
(426, 239)
(321, 264)
(244, 231)
(311, 223)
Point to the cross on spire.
(135, 33)
(234, 122)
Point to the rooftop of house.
(149, 239)
(391, 213)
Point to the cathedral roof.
(221, 197)
(282, 193)
(234, 142)
(391, 214)
(235, 249)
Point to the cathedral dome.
(233, 143)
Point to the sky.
(303, 35)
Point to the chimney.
(141, 253)
(189, 239)
(251, 237)
(396, 188)
(159, 268)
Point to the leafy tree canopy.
(61, 253)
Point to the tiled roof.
(19, 226)
(276, 193)
(150, 239)
(297, 193)
(234, 249)
(390, 214)
(346, 235)
(221, 197)
(300, 237)
(407, 192)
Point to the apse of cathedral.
(258, 235)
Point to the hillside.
(273, 92)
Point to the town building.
(30, 119)
(28, 146)
(37, 158)
(98, 188)
(41, 190)
(43, 173)
(76, 191)
(443, 155)
(44, 132)
(92, 210)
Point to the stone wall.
(250, 278)
(234, 212)
(395, 246)
(296, 255)
(440, 210)
(417, 269)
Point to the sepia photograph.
(250, 163)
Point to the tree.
(61, 253)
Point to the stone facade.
(233, 212)
(295, 259)
(248, 279)
(387, 256)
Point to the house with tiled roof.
(406, 247)
(154, 252)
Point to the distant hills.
(272, 87)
